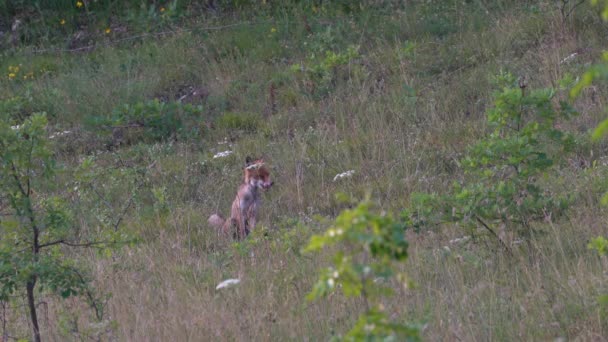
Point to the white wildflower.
(330, 282)
(59, 134)
(346, 174)
(335, 274)
(222, 154)
(227, 283)
(569, 58)
(16, 127)
(459, 240)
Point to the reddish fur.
(244, 208)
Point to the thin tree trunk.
(32, 306)
(4, 331)
(31, 283)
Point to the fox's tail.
(216, 221)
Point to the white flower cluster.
(460, 240)
(59, 134)
(569, 58)
(224, 142)
(222, 154)
(346, 174)
(335, 232)
(331, 281)
(14, 128)
(227, 283)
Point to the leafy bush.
(600, 244)
(14, 108)
(594, 73)
(34, 226)
(368, 246)
(320, 73)
(52, 20)
(154, 120)
(503, 188)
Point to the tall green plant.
(153, 120)
(503, 187)
(594, 73)
(368, 246)
(320, 73)
(34, 228)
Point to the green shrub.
(245, 122)
(368, 246)
(593, 74)
(54, 20)
(321, 71)
(15, 108)
(503, 186)
(35, 226)
(154, 120)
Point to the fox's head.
(257, 174)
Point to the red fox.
(245, 205)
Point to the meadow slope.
(395, 93)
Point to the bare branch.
(77, 244)
(567, 14)
(502, 243)
(130, 201)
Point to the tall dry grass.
(163, 288)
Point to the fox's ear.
(248, 161)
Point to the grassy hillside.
(146, 96)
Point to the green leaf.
(600, 130)
(600, 244)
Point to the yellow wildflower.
(62, 22)
(273, 30)
(79, 4)
(108, 30)
(11, 75)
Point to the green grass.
(399, 117)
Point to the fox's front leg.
(242, 223)
(252, 216)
